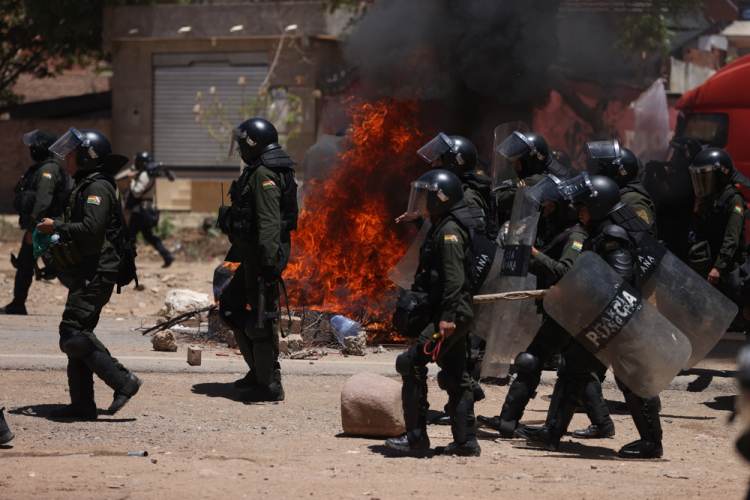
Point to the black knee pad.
(405, 364)
(77, 345)
(526, 363)
(447, 382)
(233, 317)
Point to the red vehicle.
(718, 113)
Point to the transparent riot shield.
(502, 168)
(695, 307)
(320, 159)
(403, 272)
(615, 323)
(512, 331)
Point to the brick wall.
(14, 155)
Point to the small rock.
(371, 406)
(164, 341)
(381, 349)
(154, 460)
(295, 342)
(667, 420)
(231, 342)
(355, 346)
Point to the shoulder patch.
(577, 246)
(268, 184)
(94, 200)
(47, 175)
(737, 209)
(521, 183)
(450, 238)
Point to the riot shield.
(688, 301)
(320, 159)
(611, 319)
(511, 331)
(403, 272)
(502, 168)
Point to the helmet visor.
(234, 144)
(553, 189)
(435, 148)
(704, 180)
(515, 146)
(604, 150)
(67, 143)
(418, 199)
(29, 139)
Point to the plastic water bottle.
(344, 327)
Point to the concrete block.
(371, 406)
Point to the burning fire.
(347, 238)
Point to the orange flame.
(347, 238)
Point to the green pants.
(86, 298)
(581, 367)
(451, 360)
(550, 339)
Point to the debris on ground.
(183, 301)
(164, 341)
(355, 346)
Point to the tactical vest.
(115, 233)
(238, 219)
(713, 227)
(25, 192)
(482, 184)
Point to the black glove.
(270, 274)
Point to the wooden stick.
(498, 297)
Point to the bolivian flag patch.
(611, 246)
(521, 183)
(738, 209)
(450, 238)
(577, 246)
(268, 184)
(94, 200)
(46, 175)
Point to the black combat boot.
(122, 396)
(81, 387)
(267, 374)
(562, 408)
(412, 440)
(168, 257)
(249, 380)
(263, 393)
(646, 418)
(5, 435)
(14, 308)
(464, 436)
(598, 413)
(520, 392)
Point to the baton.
(499, 297)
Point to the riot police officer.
(532, 160)
(718, 216)
(611, 225)
(549, 263)
(39, 194)
(92, 235)
(621, 165)
(140, 200)
(443, 281)
(672, 191)
(259, 225)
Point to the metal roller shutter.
(179, 140)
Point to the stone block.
(355, 345)
(371, 406)
(183, 301)
(194, 355)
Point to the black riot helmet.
(90, 146)
(39, 142)
(528, 152)
(457, 154)
(563, 158)
(141, 158)
(712, 170)
(618, 163)
(435, 193)
(252, 138)
(604, 197)
(682, 151)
